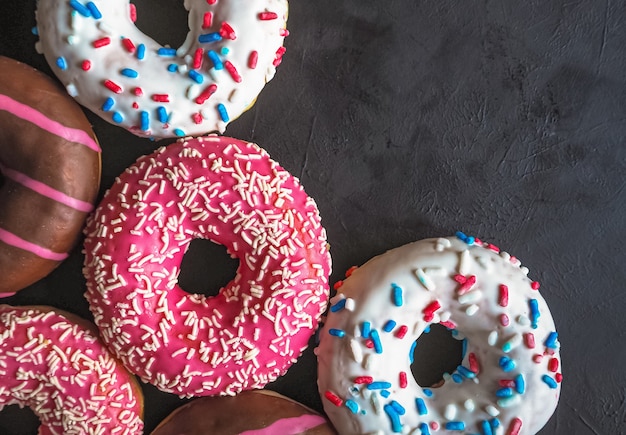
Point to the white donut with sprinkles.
(509, 379)
(112, 68)
(232, 193)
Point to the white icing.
(472, 401)
(68, 35)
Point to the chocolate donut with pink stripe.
(50, 166)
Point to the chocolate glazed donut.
(50, 166)
(258, 412)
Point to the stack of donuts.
(221, 351)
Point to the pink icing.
(39, 119)
(7, 295)
(63, 372)
(13, 240)
(232, 193)
(46, 190)
(289, 426)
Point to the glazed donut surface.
(109, 66)
(509, 378)
(54, 363)
(232, 193)
(50, 165)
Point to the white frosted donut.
(119, 73)
(509, 378)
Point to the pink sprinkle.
(503, 295)
(403, 380)
(197, 58)
(448, 324)
(473, 363)
(112, 86)
(553, 365)
(138, 91)
(363, 380)
(253, 59)
(265, 16)
(351, 270)
(86, 65)
(102, 42)
(227, 32)
(515, 427)
(204, 95)
(537, 358)
(529, 340)
(534, 285)
(133, 12)
(232, 71)
(401, 332)
(197, 118)
(333, 398)
(128, 44)
(504, 320)
(207, 20)
(434, 425)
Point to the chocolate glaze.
(66, 166)
(232, 415)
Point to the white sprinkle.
(464, 262)
(492, 339)
(424, 279)
(471, 310)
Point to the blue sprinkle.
(455, 425)
(378, 385)
(172, 67)
(178, 132)
(397, 295)
(108, 104)
(62, 63)
(470, 240)
(166, 52)
(549, 381)
(35, 31)
(397, 407)
(338, 306)
(495, 423)
(464, 344)
(117, 117)
(394, 418)
(223, 112)
(520, 384)
(428, 392)
(456, 378)
(162, 114)
(464, 371)
(486, 427)
(421, 406)
(427, 329)
(217, 62)
(224, 51)
(378, 346)
(389, 326)
(385, 393)
(551, 340)
(424, 429)
(336, 332)
(78, 7)
(141, 51)
(506, 364)
(352, 406)
(461, 236)
(129, 73)
(504, 392)
(534, 312)
(196, 76)
(365, 329)
(145, 120)
(95, 12)
(411, 356)
(209, 37)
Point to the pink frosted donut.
(54, 363)
(233, 194)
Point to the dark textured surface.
(412, 119)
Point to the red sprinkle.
(112, 86)
(515, 427)
(403, 380)
(86, 65)
(283, 32)
(537, 358)
(363, 380)
(503, 295)
(207, 20)
(204, 95)
(448, 324)
(494, 248)
(197, 58)
(432, 308)
(507, 383)
(529, 340)
(133, 12)
(401, 332)
(369, 343)
(558, 377)
(135, 105)
(553, 365)
(534, 285)
(227, 31)
(138, 91)
(253, 59)
(333, 398)
(351, 270)
(279, 56)
(161, 98)
(211, 2)
(197, 118)
(504, 320)
(434, 425)
(338, 284)
(265, 16)
(232, 71)
(102, 42)
(467, 285)
(473, 363)
(128, 44)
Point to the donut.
(509, 378)
(50, 171)
(255, 412)
(230, 192)
(112, 68)
(54, 363)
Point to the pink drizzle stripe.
(13, 240)
(289, 426)
(46, 190)
(39, 119)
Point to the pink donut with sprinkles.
(54, 363)
(232, 193)
(109, 66)
(509, 379)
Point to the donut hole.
(16, 420)
(437, 352)
(206, 268)
(150, 21)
